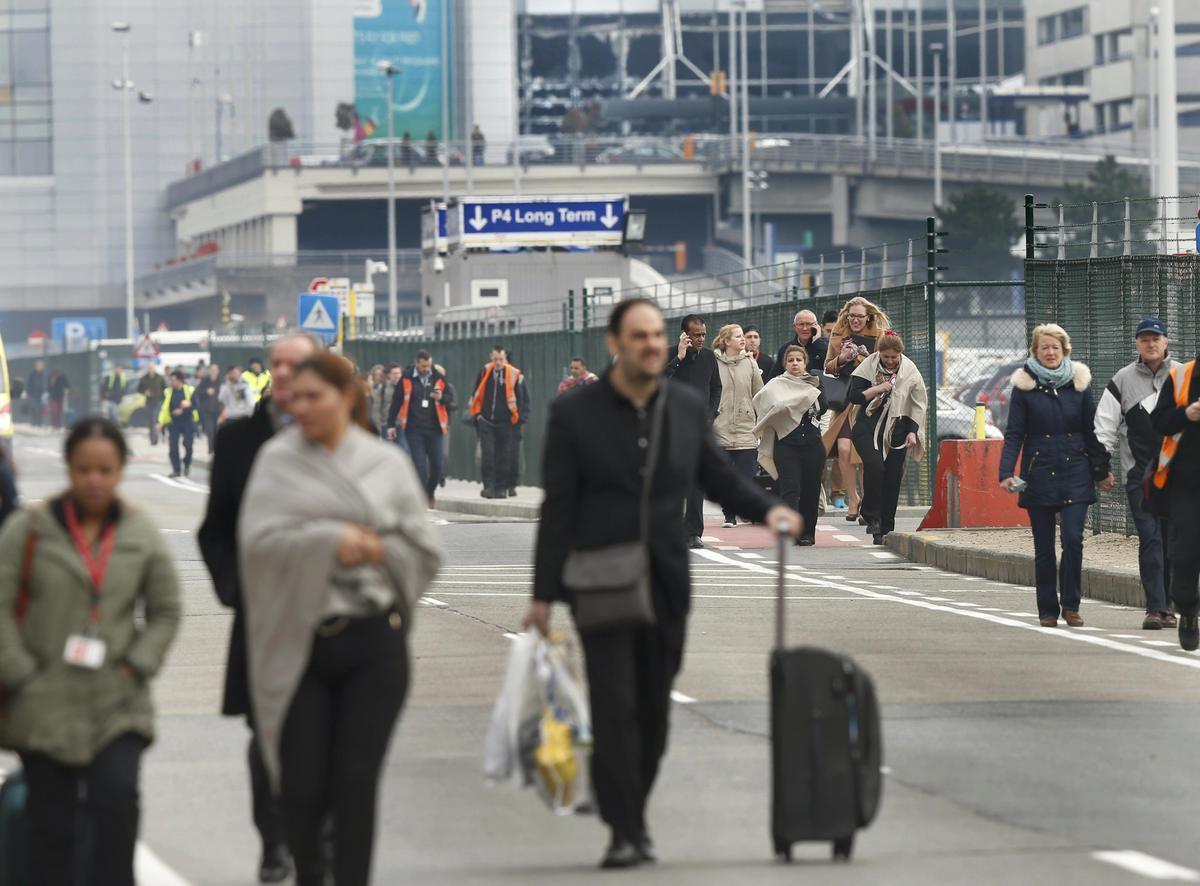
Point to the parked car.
(374, 153)
(956, 421)
(533, 148)
(639, 153)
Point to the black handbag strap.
(655, 445)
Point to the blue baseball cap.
(1151, 324)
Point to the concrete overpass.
(268, 208)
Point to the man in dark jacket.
(153, 387)
(238, 443)
(1123, 423)
(596, 449)
(808, 336)
(35, 390)
(1183, 493)
(696, 366)
(420, 410)
(754, 349)
(499, 406)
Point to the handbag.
(837, 391)
(611, 585)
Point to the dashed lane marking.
(153, 871)
(1146, 865)
(884, 555)
(850, 538)
(750, 555)
(931, 605)
(679, 698)
(175, 484)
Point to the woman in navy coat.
(1050, 423)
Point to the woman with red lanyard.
(75, 666)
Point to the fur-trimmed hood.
(1023, 379)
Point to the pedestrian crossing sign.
(318, 313)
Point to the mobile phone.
(1018, 485)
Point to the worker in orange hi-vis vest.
(420, 411)
(499, 408)
(1177, 417)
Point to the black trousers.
(513, 472)
(334, 741)
(153, 408)
(177, 433)
(107, 791)
(800, 466)
(745, 461)
(693, 512)
(882, 477)
(268, 817)
(426, 448)
(1183, 522)
(630, 672)
(208, 425)
(495, 444)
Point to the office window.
(1074, 78)
(25, 121)
(1071, 23)
(1047, 29)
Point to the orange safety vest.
(1171, 444)
(439, 408)
(511, 376)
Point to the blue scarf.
(1052, 378)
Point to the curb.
(1099, 583)
(488, 508)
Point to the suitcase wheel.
(843, 848)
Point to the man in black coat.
(238, 443)
(696, 366)
(1183, 494)
(808, 336)
(596, 448)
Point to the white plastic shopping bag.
(540, 732)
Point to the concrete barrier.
(967, 494)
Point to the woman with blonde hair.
(852, 340)
(741, 379)
(1051, 423)
(789, 425)
(889, 389)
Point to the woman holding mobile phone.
(1051, 424)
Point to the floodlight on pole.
(389, 71)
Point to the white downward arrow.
(608, 218)
(477, 221)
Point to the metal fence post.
(586, 311)
(1062, 235)
(571, 310)
(1128, 249)
(1094, 252)
(883, 267)
(908, 264)
(931, 270)
(842, 273)
(862, 269)
(1030, 233)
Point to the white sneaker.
(728, 524)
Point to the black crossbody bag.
(611, 585)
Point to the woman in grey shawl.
(889, 427)
(335, 551)
(789, 431)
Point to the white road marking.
(1088, 628)
(1128, 636)
(153, 871)
(1159, 643)
(1103, 642)
(749, 555)
(177, 531)
(885, 587)
(884, 555)
(1146, 865)
(821, 527)
(848, 538)
(709, 538)
(680, 698)
(174, 483)
(429, 601)
(1023, 614)
(821, 597)
(909, 593)
(728, 547)
(188, 481)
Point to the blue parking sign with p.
(318, 313)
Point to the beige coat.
(741, 379)
(69, 713)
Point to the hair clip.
(889, 332)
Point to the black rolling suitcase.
(826, 747)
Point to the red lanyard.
(97, 566)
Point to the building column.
(839, 209)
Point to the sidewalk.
(1110, 561)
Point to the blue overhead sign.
(74, 333)
(537, 221)
(318, 313)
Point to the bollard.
(979, 427)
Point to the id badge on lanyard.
(86, 650)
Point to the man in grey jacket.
(1123, 418)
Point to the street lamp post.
(936, 48)
(389, 71)
(126, 86)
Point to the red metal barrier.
(968, 493)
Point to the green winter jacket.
(64, 712)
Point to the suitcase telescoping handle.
(782, 542)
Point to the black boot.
(276, 865)
(621, 854)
